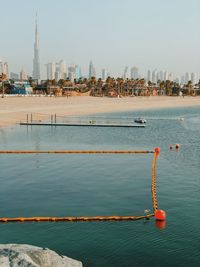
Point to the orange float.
(160, 215)
(157, 151)
(177, 146)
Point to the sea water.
(91, 185)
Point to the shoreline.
(15, 109)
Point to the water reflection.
(160, 224)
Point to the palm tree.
(120, 85)
(91, 83)
(99, 86)
(2, 79)
(168, 87)
(161, 87)
(189, 87)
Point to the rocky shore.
(32, 256)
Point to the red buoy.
(177, 146)
(160, 215)
(157, 151)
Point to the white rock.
(16, 255)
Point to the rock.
(30, 256)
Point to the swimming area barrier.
(91, 218)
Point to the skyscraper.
(187, 77)
(91, 70)
(134, 73)
(14, 76)
(4, 68)
(154, 76)
(61, 70)
(78, 74)
(72, 72)
(166, 76)
(36, 63)
(23, 75)
(51, 69)
(125, 74)
(160, 76)
(103, 74)
(193, 77)
(149, 76)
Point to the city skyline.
(162, 42)
(59, 70)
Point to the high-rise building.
(177, 80)
(154, 76)
(57, 70)
(148, 75)
(91, 70)
(160, 76)
(72, 73)
(134, 73)
(14, 76)
(125, 74)
(61, 70)
(171, 76)
(103, 74)
(36, 62)
(51, 69)
(78, 74)
(187, 77)
(194, 78)
(166, 76)
(182, 79)
(23, 75)
(4, 68)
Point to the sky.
(149, 34)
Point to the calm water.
(73, 185)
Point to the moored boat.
(140, 120)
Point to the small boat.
(140, 120)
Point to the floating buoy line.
(159, 214)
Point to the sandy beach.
(14, 109)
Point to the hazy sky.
(149, 34)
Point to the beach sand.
(14, 109)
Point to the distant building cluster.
(155, 76)
(57, 71)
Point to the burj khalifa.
(36, 62)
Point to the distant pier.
(54, 120)
(82, 124)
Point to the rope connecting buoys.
(159, 214)
(76, 219)
(153, 186)
(75, 151)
